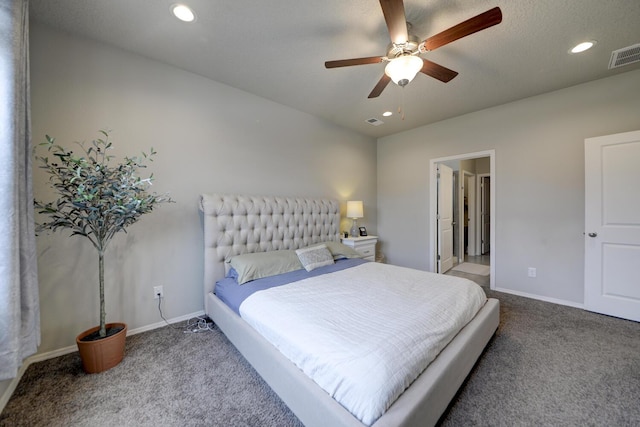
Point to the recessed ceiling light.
(183, 13)
(583, 46)
(387, 113)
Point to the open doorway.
(484, 213)
(473, 205)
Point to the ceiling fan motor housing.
(409, 48)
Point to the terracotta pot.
(104, 353)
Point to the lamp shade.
(403, 69)
(354, 209)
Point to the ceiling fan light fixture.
(403, 69)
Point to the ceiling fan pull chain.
(402, 108)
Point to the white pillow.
(314, 257)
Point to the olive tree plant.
(96, 196)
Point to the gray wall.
(209, 138)
(539, 146)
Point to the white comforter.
(365, 333)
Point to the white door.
(485, 214)
(445, 218)
(612, 220)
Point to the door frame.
(479, 225)
(471, 202)
(466, 176)
(433, 176)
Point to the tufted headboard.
(237, 224)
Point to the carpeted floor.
(167, 378)
(547, 365)
(551, 365)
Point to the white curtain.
(19, 307)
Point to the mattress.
(364, 333)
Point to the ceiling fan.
(403, 53)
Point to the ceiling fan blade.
(382, 83)
(393, 11)
(480, 22)
(437, 71)
(354, 61)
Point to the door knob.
(593, 234)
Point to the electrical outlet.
(158, 292)
(532, 272)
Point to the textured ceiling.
(276, 49)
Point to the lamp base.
(354, 229)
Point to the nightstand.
(366, 245)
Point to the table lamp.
(354, 211)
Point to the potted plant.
(96, 199)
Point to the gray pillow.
(340, 250)
(264, 264)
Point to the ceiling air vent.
(625, 56)
(373, 121)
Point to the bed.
(240, 224)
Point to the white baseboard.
(39, 357)
(541, 298)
